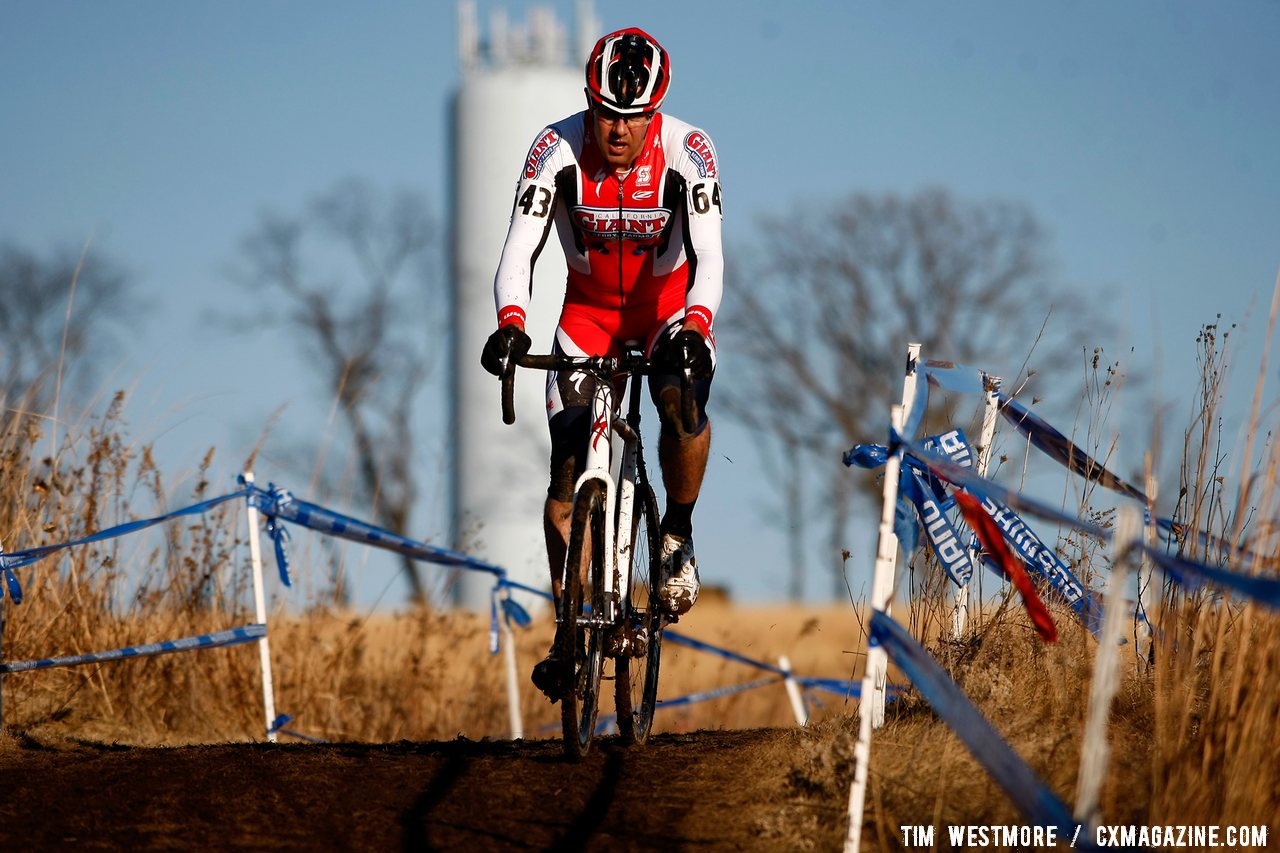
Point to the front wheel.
(580, 635)
(636, 685)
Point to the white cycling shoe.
(679, 590)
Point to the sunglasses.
(609, 117)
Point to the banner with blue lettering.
(954, 445)
(1043, 561)
(1012, 567)
(929, 498)
(1040, 559)
(951, 445)
(951, 461)
(942, 536)
(959, 475)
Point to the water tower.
(514, 82)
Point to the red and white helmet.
(628, 72)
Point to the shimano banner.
(942, 536)
(991, 538)
(1041, 559)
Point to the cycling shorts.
(569, 393)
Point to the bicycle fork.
(619, 498)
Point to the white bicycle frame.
(619, 496)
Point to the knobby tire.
(580, 646)
(636, 678)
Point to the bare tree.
(336, 266)
(58, 309)
(819, 316)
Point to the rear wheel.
(580, 639)
(636, 687)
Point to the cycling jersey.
(643, 248)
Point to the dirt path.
(766, 789)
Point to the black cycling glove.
(504, 346)
(688, 349)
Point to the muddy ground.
(764, 789)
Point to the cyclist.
(635, 197)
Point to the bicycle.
(603, 611)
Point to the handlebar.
(508, 394)
(603, 367)
(536, 362)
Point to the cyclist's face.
(619, 137)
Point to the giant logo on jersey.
(704, 156)
(633, 224)
(540, 153)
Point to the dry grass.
(342, 675)
(1194, 735)
(1185, 749)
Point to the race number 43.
(535, 197)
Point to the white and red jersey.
(643, 249)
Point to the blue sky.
(1145, 136)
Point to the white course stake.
(875, 676)
(960, 616)
(513, 681)
(1095, 753)
(260, 605)
(886, 567)
(793, 691)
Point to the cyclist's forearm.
(513, 282)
